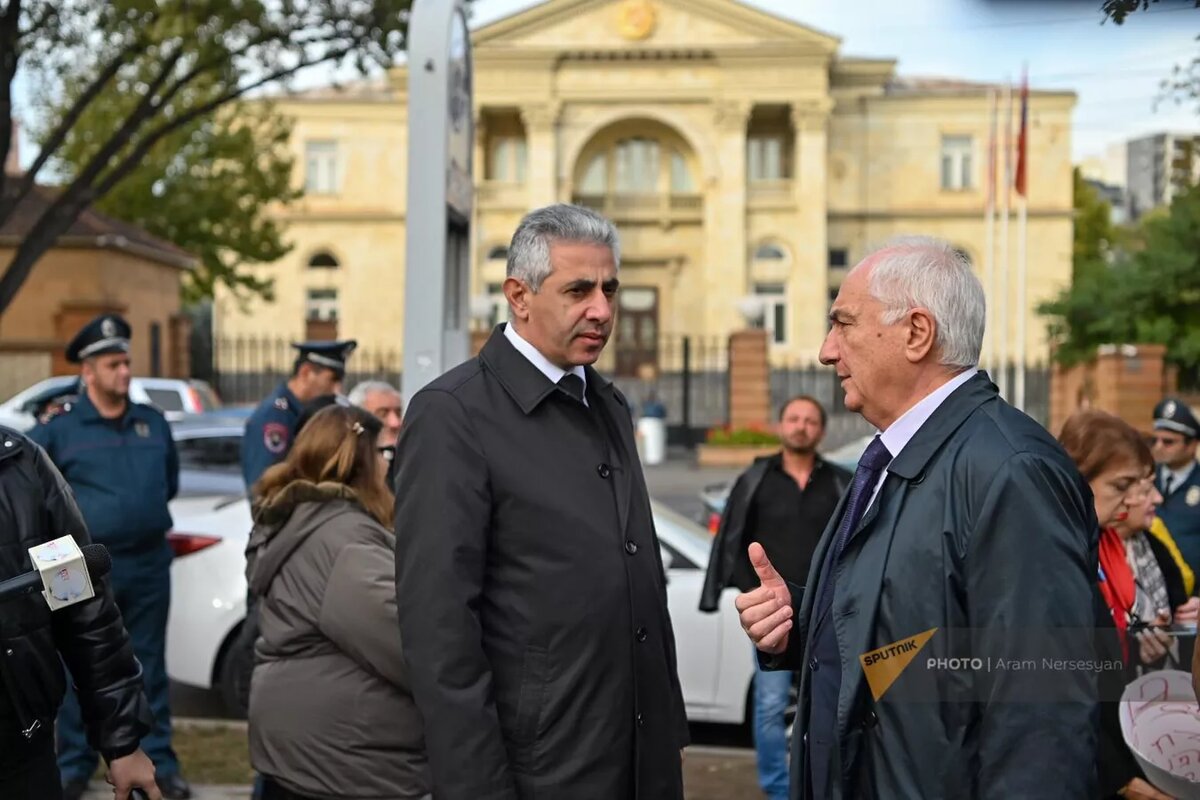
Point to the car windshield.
(673, 525)
(165, 399)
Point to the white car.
(208, 605)
(175, 397)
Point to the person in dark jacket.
(119, 458)
(1114, 460)
(966, 532)
(331, 710)
(529, 579)
(783, 502)
(36, 506)
(318, 370)
(1178, 480)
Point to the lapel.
(527, 385)
(610, 404)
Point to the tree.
(1184, 82)
(177, 63)
(1151, 295)
(1093, 227)
(208, 187)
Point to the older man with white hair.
(382, 400)
(943, 637)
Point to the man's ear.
(518, 295)
(921, 339)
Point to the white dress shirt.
(1177, 476)
(535, 357)
(900, 433)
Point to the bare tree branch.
(9, 31)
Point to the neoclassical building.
(740, 154)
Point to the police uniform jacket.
(530, 590)
(1180, 512)
(123, 471)
(36, 506)
(269, 433)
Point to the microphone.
(95, 558)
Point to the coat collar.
(526, 384)
(941, 425)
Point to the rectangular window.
(764, 158)
(506, 160)
(957, 169)
(838, 257)
(322, 305)
(775, 307)
(321, 167)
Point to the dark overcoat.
(531, 593)
(983, 530)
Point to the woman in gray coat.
(331, 713)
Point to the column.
(541, 129)
(808, 293)
(724, 271)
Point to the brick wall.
(1125, 380)
(749, 380)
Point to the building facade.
(1156, 167)
(740, 155)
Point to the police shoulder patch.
(275, 437)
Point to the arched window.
(769, 252)
(323, 260)
(498, 253)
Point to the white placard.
(65, 578)
(1160, 720)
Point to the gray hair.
(529, 252)
(358, 395)
(920, 271)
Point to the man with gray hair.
(530, 585)
(967, 537)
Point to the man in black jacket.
(37, 506)
(783, 502)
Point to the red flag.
(1023, 137)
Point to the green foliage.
(130, 84)
(209, 187)
(730, 437)
(1093, 225)
(1150, 295)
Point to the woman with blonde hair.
(331, 711)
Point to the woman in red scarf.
(1114, 460)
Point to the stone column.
(725, 273)
(808, 292)
(541, 136)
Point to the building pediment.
(634, 25)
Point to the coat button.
(870, 720)
(813, 665)
(640, 720)
(630, 547)
(603, 470)
(641, 634)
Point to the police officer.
(1178, 480)
(120, 460)
(318, 370)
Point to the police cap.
(1174, 415)
(107, 333)
(331, 355)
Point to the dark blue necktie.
(870, 465)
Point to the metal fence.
(691, 381)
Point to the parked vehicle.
(208, 603)
(714, 495)
(175, 397)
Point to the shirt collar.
(901, 432)
(535, 357)
(1178, 476)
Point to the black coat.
(730, 545)
(985, 530)
(531, 593)
(36, 506)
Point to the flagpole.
(1005, 211)
(1022, 229)
(989, 248)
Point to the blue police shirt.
(1180, 512)
(269, 433)
(123, 471)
